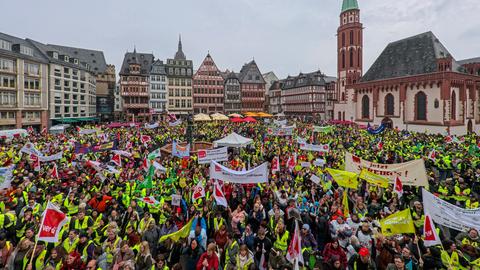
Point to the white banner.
(176, 123)
(154, 125)
(315, 147)
(412, 172)
(176, 199)
(280, 122)
(85, 131)
(253, 176)
(29, 148)
(281, 131)
(57, 156)
(315, 179)
(449, 215)
(219, 154)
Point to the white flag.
(294, 253)
(430, 233)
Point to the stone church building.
(415, 83)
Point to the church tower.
(349, 48)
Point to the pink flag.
(432, 155)
(294, 254)
(430, 233)
(219, 196)
(52, 222)
(129, 145)
(198, 191)
(117, 159)
(398, 186)
(292, 161)
(149, 200)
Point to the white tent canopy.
(233, 140)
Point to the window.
(32, 69)
(177, 103)
(351, 57)
(26, 50)
(343, 39)
(351, 37)
(7, 65)
(436, 103)
(454, 106)
(343, 61)
(421, 106)
(30, 83)
(7, 81)
(5, 45)
(8, 98)
(389, 104)
(365, 107)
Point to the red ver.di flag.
(52, 222)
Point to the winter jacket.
(329, 252)
(212, 262)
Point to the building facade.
(72, 86)
(310, 94)
(135, 84)
(179, 74)
(23, 84)
(252, 86)
(269, 78)
(208, 88)
(349, 53)
(416, 84)
(232, 93)
(105, 76)
(118, 103)
(275, 97)
(158, 89)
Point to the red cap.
(364, 252)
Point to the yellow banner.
(346, 210)
(374, 179)
(400, 222)
(182, 233)
(344, 178)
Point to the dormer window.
(75, 61)
(66, 59)
(5, 45)
(26, 50)
(55, 55)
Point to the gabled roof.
(47, 50)
(158, 68)
(307, 79)
(144, 59)
(207, 66)
(250, 73)
(410, 56)
(94, 58)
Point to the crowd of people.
(111, 226)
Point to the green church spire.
(349, 5)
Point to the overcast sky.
(286, 36)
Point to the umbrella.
(249, 119)
(264, 115)
(236, 120)
(202, 117)
(235, 115)
(219, 116)
(252, 114)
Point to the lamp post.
(189, 133)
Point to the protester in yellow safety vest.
(85, 247)
(56, 258)
(81, 222)
(38, 261)
(417, 214)
(71, 242)
(244, 258)
(231, 251)
(71, 203)
(23, 223)
(452, 257)
(111, 244)
(469, 238)
(281, 238)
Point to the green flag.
(154, 154)
(147, 183)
